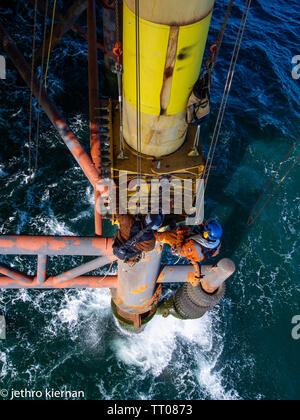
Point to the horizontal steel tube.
(53, 245)
(176, 274)
(84, 282)
(78, 271)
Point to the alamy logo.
(296, 69)
(296, 329)
(2, 68)
(2, 328)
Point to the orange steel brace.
(56, 245)
(50, 245)
(94, 103)
(52, 112)
(82, 282)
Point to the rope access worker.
(135, 237)
(196, 244)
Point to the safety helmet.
(214, 230)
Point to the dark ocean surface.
(243, 349)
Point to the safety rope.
(41, 88)
(117, 20)
(50, 43)
(107, 273)
(197, 139)
(220, 38)
(251, 219)
(216, 47)
(31, 87)
(227, 89)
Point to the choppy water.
(241, 350)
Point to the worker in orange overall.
(197, 247)
(135, 237)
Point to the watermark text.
(157, 196)
(2, 328)
(296, 329)
(46, 394)
(2, 67)
(296, 69)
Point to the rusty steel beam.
(63, 26)
(95, 141)
(57, 245)
(83, 282)
(52, 112)
(14, 275)
(78, 271)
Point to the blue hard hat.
(214, 230)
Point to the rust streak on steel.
(78, 271)
(15, 275)
(50, 109)
(84, 282)
(42, 268)
(53, 245)
(64, 25)
(95, 141)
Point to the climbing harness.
(252, 219)
(50, 43)
(127, 251)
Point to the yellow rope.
(50, 43)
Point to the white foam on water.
(83, 302)
(50, 225)
(152, 349)
(7, 368)
(211, 380)
(3, 174)
(186, 347)
(81, 312)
